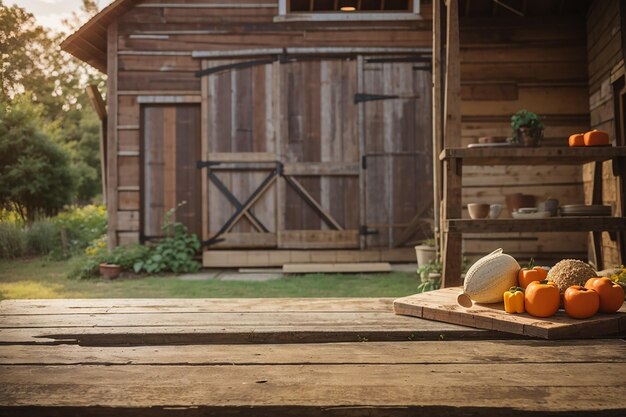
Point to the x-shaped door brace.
(244, 209)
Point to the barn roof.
(89, 43)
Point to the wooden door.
(169, 151)
(319, 189)
(241, 161)
(397, 152)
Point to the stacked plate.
(585, 210)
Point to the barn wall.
(150, 54)
(508, 64)
(604, 48)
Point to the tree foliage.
(33, 67)
(35, 173)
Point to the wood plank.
(262, 258)
(192, 305)
(269, 390)
(246, 240)
(321, 168)
(319, 239)
(452, 98)
(529, 156)
(313, 268)
(242, 157)
(549, 224)
(441, 305)
(601, 351)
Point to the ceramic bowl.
(478, 211)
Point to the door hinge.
(364, 162)
(364, 231)
(206, 164)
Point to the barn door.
(396, 151)
(319, 189)
(240, 165)
(169, 150)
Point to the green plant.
(12, 241)
(127, 256)
(83, 266)
(429, 242)
(81, 226)
(428, 282)
(42, 237)
(173, 253)
(525, 118)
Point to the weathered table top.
(293, 357)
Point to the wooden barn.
(310, 131)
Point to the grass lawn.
(36, 278)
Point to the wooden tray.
(441, 305)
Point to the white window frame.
(283, 16)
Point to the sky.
(50, 13)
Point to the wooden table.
(288, 357)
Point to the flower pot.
(529, 137)
(425, 254)
(110, 271)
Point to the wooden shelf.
(550, 224)
(533, 156)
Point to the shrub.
(175, 252)
(42, 238)
(12, 241)
(82, 225)
(83, 266)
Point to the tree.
(33, 63)
(35, 174)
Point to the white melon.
(488, 279)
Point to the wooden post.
(452, 240)
(596, 237)
(452, 210)
(100, 108)
(452, 103)
(437, 116)
(112, 134)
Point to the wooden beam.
(452, 101)
(96, 100)
(438, 7)
(112, 179)
(362, 150)
(308, 198)
(308, 51)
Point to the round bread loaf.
(488, 278)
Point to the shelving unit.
(454, 226)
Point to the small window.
(349, 6)
(343, 10)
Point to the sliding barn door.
(170, 149)
(397, 152)
(319, 149)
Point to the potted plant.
(109, 270)
(426, 252)
(430, 276)
(527, 128)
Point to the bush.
(174, 253)
(82, 226)
(12, 241)
(42, 238)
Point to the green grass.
(38, 278)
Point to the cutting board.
(441, 305)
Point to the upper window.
(347, 6)
(348, 9)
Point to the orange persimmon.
(577, 139)
(596, 138)
(527, 275)
(611, 293)
(542, 298)
(580, 302)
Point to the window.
(348, 9)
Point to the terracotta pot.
(530, 137)
(478, 211)
(110, 271)
(519, 200)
